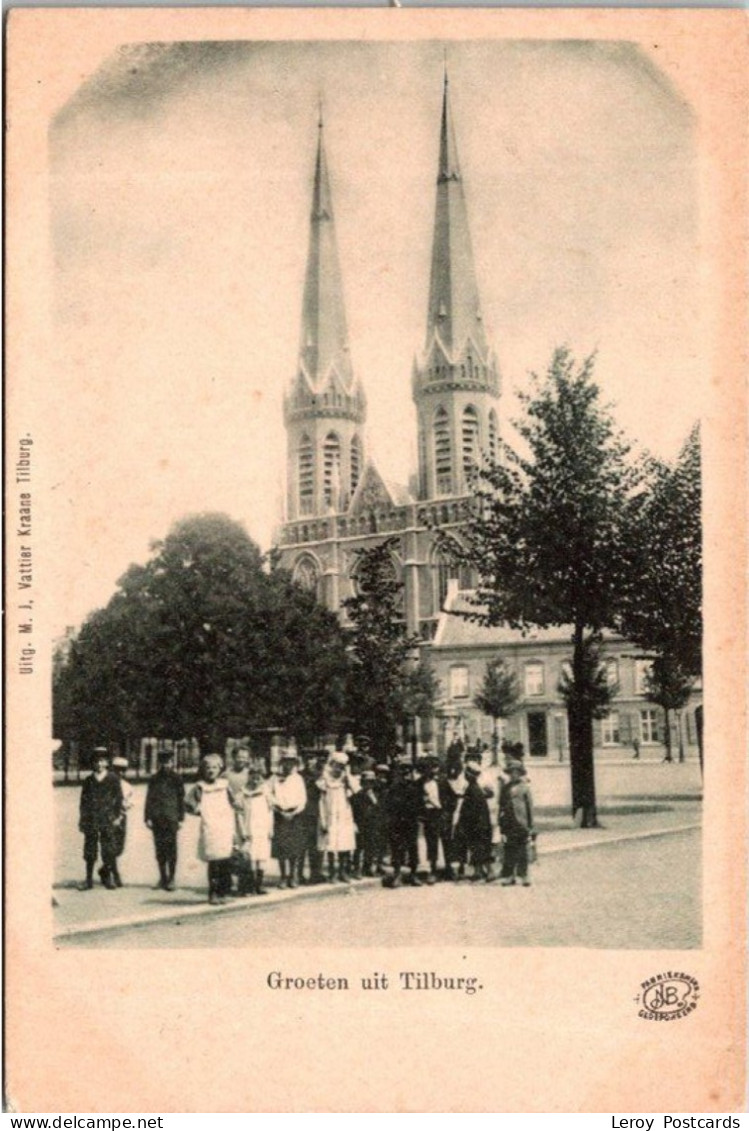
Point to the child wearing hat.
(337, 829)
(100, 810)
(370, 822)
(164, 813)
(210, 799)
(516, 824)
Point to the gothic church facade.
(337, 500)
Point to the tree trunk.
(495, 742)
(667, 735)
(582, 769)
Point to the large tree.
(660, 600)
(203, 641)
(497, 697)
(545, 536)
(380, 647)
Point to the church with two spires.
(337, 500)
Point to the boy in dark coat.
(431, 813)
(474, 823)
(370, 822)
(100, 813)
(164, 813)
(515, 824)
(402, 806)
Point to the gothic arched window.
(356, 461)
(493, 436)
(446, 569)
(442, 452)
(306, 474)
(306, 573)
(470, 437)
(331, 471)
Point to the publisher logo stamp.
(668, 997)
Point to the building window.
(459, 683)
(612, 673)
(442, 452)
(356, 461)
(332, 471)
(610, 729)
(642, 670)
(423, 488)
(306, 476)
(470, 438)
(648, 725)
(493, 436)
(534, 679)
(306, 574)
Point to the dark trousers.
(404, 845)
(100, 840)
(515, 860)
(219, 877)
(432, 823)
(165, 846)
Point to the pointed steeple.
(324, 336)
(454, 314)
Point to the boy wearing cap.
(515, 824)
(164, 813)
(403, 805)
(100, 810)
(431, 813)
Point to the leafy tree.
(545, 536)
(660, 600)
(420, 690)
(497, 697)
(379, 646)
(203, 642)
(669, 687)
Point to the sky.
(179, 203)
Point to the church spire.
(454, 314)
(324, 335)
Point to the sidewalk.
(85, 912)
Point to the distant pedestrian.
(516, 825)
(100, 812)
(210, 799)
(164, 813)
(120, 767)
(237, 774)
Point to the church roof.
(454, 313)
(324, 340)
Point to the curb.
(167, 915)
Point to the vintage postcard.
(375, 560)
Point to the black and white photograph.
(371, 478)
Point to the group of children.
(336, 818)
